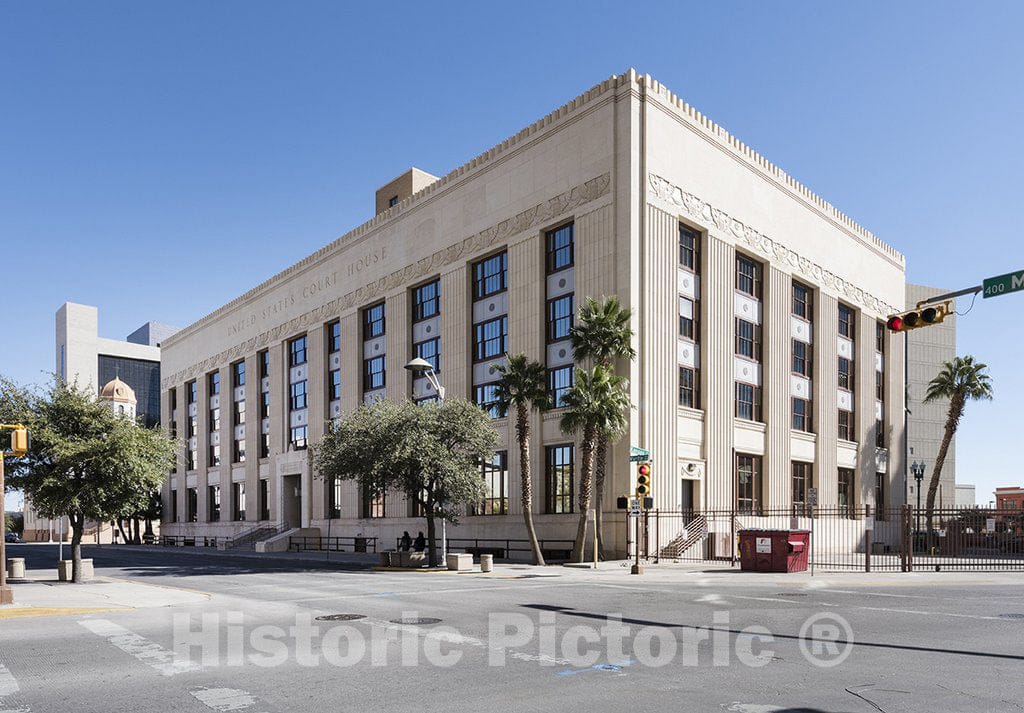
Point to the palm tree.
(603, 334)
(596, 403)
(960, 381)
(523, 387)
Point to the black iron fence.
(848, 539)
(332, 544)
(512, 549)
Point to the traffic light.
(622, 502)
(20, 442)
(643, 479)
(917, 318)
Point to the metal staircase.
(693, 534)
(247, 539)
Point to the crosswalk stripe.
(148, 652)
(8, 684)
(224, 699)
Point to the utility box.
(774, 550)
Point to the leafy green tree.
(85, 462)
(959, 381)
(523, 388)
(432, 453)
(14, 522)
(596, 402)
(602, 333)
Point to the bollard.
(486, 563)
(16, 568)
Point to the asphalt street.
(521, 638)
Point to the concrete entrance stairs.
(692, 535)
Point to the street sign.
(634, 507)
(638, 455)
(1003, 284)
(990, 524)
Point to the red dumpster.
(774, 550)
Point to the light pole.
(918, 470)
(421, 367)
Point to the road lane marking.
(8, 684)
(224, 699)
(148, 652)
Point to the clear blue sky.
(158, 159)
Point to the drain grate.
(340, 617)
(416, 620)
(1012, 616)
(792, 594)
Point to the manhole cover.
(1012, 616)
(414, 620)
(340, 617)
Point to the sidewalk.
(40, 594)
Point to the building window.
(264, 497)
(334, 384)
(239, 413)
(298, 438)
(486, 397)
(392, 201)
(298, 396)
(373, 321)
(802, 358)
(265, 405)
(802, 301)
(845, 425)
(213, 493)
(689, 248)
(214, 383)
(879, 434)
(880, 496)
(491, 339)
(845, 494)
(879, 386)
(264, 361)
(879, 337)
(425, 301)
(559, 476)
(560, 248)
(429, 351)
(688, 328)
(689, 392)
(191, 391)
(560, 317)
(214, 419)
(846, 325)
(748, 484)
(238, 374)
(192, 504)
(174, 506)
(214, 455)
(264, 445)
(490, 276)
(801, 482)
(560, 380)
(495, 475)
(748, 339)
(238, 453)
(334, 337)
(373, 373)
(802, 415)
(372, 506)
(748, 276)
(748, 401)
(845, 374)
(297, 351)
(334, 498)
(238, 501)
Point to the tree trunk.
(586, 478)
(956, 410)
(599, 472)
(137, 537)
(120, 528)
(431, 543)
(77, 530)
(526, 478)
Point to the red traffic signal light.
(643, 479)
(918, 318)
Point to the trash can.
(486, 563)
(16, 567)
(774, 550)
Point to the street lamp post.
(918, 470)
(421, 367)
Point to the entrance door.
(686, 495)
(292, 500)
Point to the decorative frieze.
(775, 251)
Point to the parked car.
(12, 537)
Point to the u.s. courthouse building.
(763, 367)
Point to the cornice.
(540, 214)
(710, 216)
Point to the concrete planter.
(16, 567)
(486, 563)
(412, 559)
(460, 562)
(64, 570)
